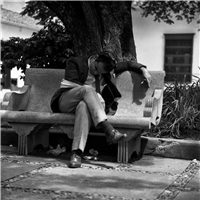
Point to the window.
(178, 57)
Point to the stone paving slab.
(49, 178)
(28, 194)
(9, 194)
(10, 170)
(188, 195)
(97, 181)
(150, 164)
(191, 190)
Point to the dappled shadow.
(139, 90)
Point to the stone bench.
(28, 111)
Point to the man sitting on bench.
(88, 90)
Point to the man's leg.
(98, 115)
(69, 103)
(71, 98)
(81, 129)
(81, 126)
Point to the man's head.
(105, 62)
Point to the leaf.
(48, 50)
(179, 17)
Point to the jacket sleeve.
(128, 66)
(71, 71)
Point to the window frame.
(170, 58)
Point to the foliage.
(49, 47)
(11, 53)
(181, 111)
(164, 10)
(93, 25)
(40, 12)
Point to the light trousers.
(84, 102)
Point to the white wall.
(9, 30)
(149, 40)
(14, 5)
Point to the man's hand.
(147, 76)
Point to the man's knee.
(87, 89)
(81, 106)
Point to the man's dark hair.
(108, 59)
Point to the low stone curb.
(171, 148)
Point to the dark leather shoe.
(75, 161)
(115, 137)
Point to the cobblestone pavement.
(36, 177)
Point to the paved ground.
(44, 177)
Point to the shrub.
(181, 111)
(50, 47)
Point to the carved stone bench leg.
(30, 135)
(22, 145)
(126, 148)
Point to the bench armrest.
(5, 100)
(157, 107)
(16, 100)
(153, 107)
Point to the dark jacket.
(77, 71)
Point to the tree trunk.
(98, 25)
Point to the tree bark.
(98, 25)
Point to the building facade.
(172, 48)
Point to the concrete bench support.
(28, 111)
(126, 148)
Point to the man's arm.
(128, 66)
(135, 67)
(71, 71)
(147, 76)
